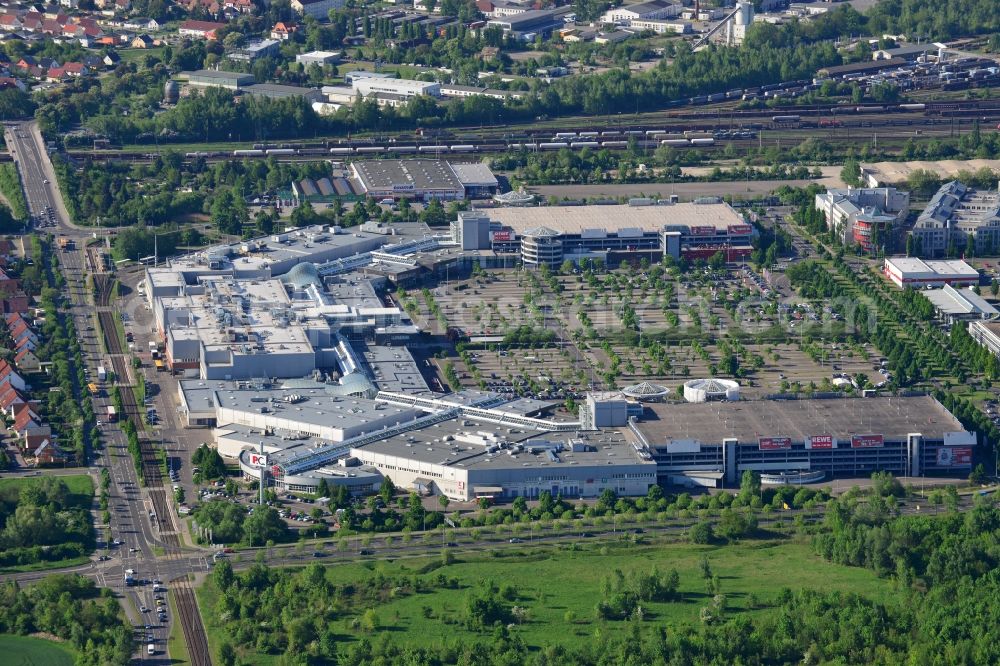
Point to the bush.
(701, 533)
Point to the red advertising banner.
(703, 231)
(739, 229)
(773, 443)
(503, 236)
(867, 441)
(821, 442)
(954, 456)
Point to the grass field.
(561, 587)
(26, 651)
(81, 488)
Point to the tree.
(749, 486)
(851, 173)
(978, 475)
(387, 490)
(227, 654)
(444, 502)
(701, 533)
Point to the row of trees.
(66, 406)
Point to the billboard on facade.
(503, 236)
(257, 460)
(773, 443)
(821, 442)
(867, 441)
(954, 456)
(739, 229)
(703, 231)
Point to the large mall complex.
(289, 346)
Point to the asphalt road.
(129, 503)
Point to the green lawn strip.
(176, 646)
(29, 651)
(42, 566)
(561, 587)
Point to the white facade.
(660, 27)
(404, 87)
(642, 10)
(513, 479)
(918, 274)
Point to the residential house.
(142, 23)
(24, 416)
(11, 82)
(200, 29)
(212, 7)
(142, 42)
(239, 6)
(283, 31)
(34, 435)
(9, 398)
(112, 59)
(27, 361)
(48, 453)
(22, 337)
(9, 376)
(10, 23)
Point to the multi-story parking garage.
(715, 442)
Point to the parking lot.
(692, 324)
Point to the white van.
(150, 649)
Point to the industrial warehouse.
(417, 179)
(291, 353)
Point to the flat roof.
(863, 66)
(464, 442)
(218, 74)
(418, 175)
(474, 173)
(279, 89)
(930, 268)
(609, 219)
(315, 407)
(393, 368)
(747, 420)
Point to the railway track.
(194, 632)
(152, 473)
(708, 137)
